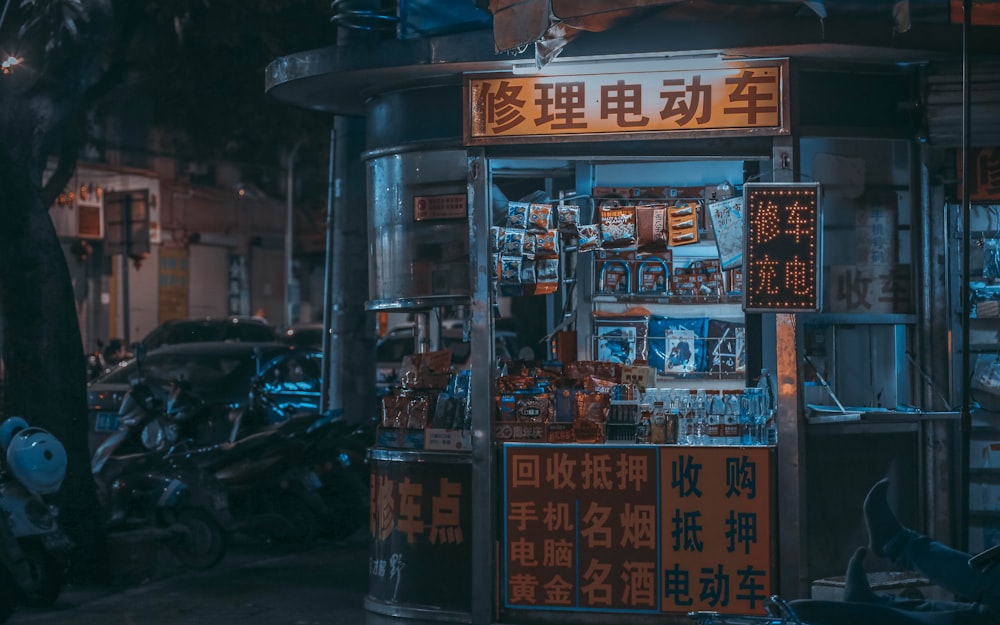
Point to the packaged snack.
(547, 244)
(513, 241)
(539, 217)
(617, 226)
(569, 218)
(528, 246)
(651, 226)
(517, 214)
(510, 270)
(496, 238)
(590, 238)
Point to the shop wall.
(208, 284)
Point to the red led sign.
(781, 247)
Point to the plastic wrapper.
(726, 346)
(676, 344)
(617, 226)
(621, 339)
(590, 238)
(539, 217)
(517, 214)
(651, 226)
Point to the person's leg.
(948, 568)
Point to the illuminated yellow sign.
(734, 98)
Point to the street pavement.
(323, 583)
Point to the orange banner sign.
(732, 98)
(640, 529)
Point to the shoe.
(883, 526)
(856, 587)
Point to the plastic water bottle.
(769, 405)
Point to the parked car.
(220, 374)
(303, 334)
(232, 328)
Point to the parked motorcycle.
(338, 458)
(33, 548)
(272, 492)
(150, 490)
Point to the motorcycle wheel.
(8, 594)
(347, 502)
(302, 521)
(202, 541)
(45, 577)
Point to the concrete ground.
(320, 584)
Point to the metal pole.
(966, 415)
(126, 209)
(328, 312)
(290, 291)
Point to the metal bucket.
(418, 230)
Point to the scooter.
(33, 548)
(162, 493)
(273, 494)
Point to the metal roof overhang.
(339, 79)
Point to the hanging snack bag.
(546, 276)
(569, 218)
(528, 245)
(513, 242)
(651, 226)
(547, 244)
(517, 214)
(496, 238)
(617, 226)
(590, 238)
(539, 217)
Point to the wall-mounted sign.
(637, 529)
(727, 98)
(432, 207)
(781, 248)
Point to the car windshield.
(212, 376)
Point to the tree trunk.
(44, 363)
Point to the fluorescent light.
(607, 65)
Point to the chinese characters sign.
(636, 529)
(420, 533)
(781, 247)
(734, 97)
